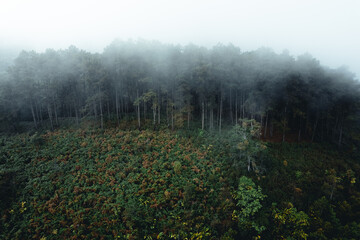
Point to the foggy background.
(328, 30)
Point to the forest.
(158, 141)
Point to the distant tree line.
(175, 85)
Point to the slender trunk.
(335, 127)
(340, 134)
(50, 117)
(167, 112)
(231, 110)
(266, 124)
(159, 116)
(307, 128)
(172, 118)
(261, 124)
(122, 105)
(95, 110)
(33, 113)
(220, 119)
(55, 112)
(154, 114)
(117, 105)
(243, 106)
(144, 109)
(332, 190)
(315, 126)
(188, 119)
(202, 115)
(38, 114)
(206, 113)
(69, 114)
(327, 126)
(299, 133)
(76, 114)
(56, 116)
(284, 125)
(101, 114)
(236, 109)
(108, 109)
(211, 119)
(138, 109)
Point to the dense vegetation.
(154, 141)
(131, 184)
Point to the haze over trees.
(177, 84)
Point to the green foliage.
(177, 167)
(248, 198)
(112, 183)
(290, 223)
(132, 184)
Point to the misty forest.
(157, 141)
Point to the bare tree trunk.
(315, 126)
(154, 114)
(172, 118)
(50, 116)
(33, 114)
(231, 110)
(332, 190)
(122, 105)
(101, 113)
(236, 108)
(69, 113)
(206, 113)
(283, 135)
(56, 115)
(335, 126)
(340, 134)
(144, 109)
(307, 124)
(188, 119)
(38, 112)
(159, 116)
(167, 111)
(138, 109)
(266, 124)
(220, 119)
(202, 115)
(243, 106)
(284, 125)
(211, 119)
(117, 105)
(108, 109)
(299, 133)
(95, 110)
(55, 112)
(261, 123)
(76, 114)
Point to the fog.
(328, 30)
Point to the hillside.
(131, 184)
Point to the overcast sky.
(327, 29)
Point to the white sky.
(327, 29)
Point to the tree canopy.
(174, 84)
